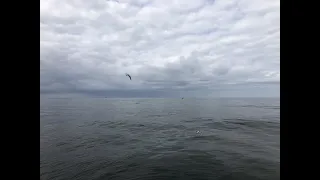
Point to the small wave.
(257, 106)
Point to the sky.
(171, 48)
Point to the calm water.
(159, 139)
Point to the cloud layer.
(204, 47)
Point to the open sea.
(133, 139)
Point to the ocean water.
(132, 139)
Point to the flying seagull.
(128, 76)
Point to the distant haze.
(171, 48)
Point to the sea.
(160, 138)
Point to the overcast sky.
(169, 47)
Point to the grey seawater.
(131, 139)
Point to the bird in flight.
(128, 76)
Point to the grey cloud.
(174, 47)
